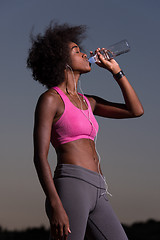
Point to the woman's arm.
(132, 106)
(44, 115)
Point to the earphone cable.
(95, 140)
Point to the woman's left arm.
(132, 106)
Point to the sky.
(129, 148)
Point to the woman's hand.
(132, 106)
(111, 65)
(59, 223)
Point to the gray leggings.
(83, 196)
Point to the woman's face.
(78, 60)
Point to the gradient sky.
(129, 149)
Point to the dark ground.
(149, 230)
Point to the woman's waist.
(81, 173)
(90, 163)
(84, 159)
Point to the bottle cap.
(92, 60)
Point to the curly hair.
(49, 52)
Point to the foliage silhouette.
(149, 230)
(29, 234)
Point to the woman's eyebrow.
(74, 47)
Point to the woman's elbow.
(138, 113)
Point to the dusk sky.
(129, 149)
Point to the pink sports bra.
(74, 123)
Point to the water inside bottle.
(112, 51)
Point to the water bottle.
(112, 51)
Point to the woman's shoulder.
(49, 98)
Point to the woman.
(77, 204)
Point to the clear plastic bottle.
(112, 51)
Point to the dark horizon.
(148, 230)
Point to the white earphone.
(67, 65)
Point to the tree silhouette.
(29, 234)
(149, 230)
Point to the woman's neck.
(70, 83)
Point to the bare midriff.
(81, 152)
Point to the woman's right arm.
(44, 114)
